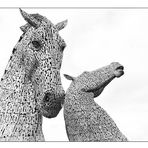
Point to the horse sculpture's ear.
(29, 18)
(69, 77)
(61, 25)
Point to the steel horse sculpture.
(31, 85)
(85, 120)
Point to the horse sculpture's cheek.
(33, 69)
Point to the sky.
(95, 38)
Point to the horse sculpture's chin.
(119, 71)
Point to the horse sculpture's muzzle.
(119, 71)
(53, 97)
(48, 96)
(52, 104)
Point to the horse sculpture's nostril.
(48, 96)
(120, 68)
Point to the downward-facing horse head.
(31, 85)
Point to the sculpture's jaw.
(98, 90)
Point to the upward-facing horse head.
(31, 85)
(86, 120)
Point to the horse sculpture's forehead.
(44, 30)
(97, 76)
(43, 20)
(86, 75)
(44, 33)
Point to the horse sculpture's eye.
(36, 44)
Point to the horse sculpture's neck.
(20, 119)
(14, 73)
